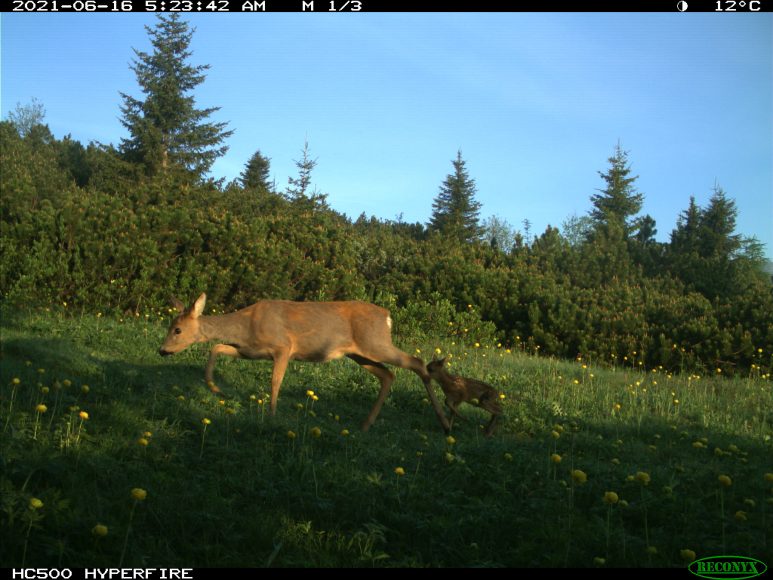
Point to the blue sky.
(536, 102)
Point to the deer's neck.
(229, 328)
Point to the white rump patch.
(389, 322)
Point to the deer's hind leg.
(490, 404)
(385, 377)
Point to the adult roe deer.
(282, 331)
(463, 390)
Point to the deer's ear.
(176, 304)
(198, 307)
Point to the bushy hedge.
(120, 242)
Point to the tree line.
(120, 228)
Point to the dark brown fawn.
(463, 390)
(282, 331)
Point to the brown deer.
(282, 331)
(463, 390)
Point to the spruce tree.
(298, 188)
(165, 127)
(256, 173)
(619, 201)
(455, 211)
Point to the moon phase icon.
(681, 6)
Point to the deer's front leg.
(209, 373)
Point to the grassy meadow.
(112, 455)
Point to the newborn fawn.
(463, 390)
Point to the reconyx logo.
(728, 567)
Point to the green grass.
(243, 493)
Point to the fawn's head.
(435, 368)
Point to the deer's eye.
(178, 330)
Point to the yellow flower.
(299, 406)
(450, 440)
(41, 408)
(652, 550)
(599, 561)
(749, 502)
(740, 516)
(438, 351)
(610, 497)
(559, 428)
(143, 442)
(67, 382)
(616, 407)
(615, 461)
(502, 396)
(643, 477)
(291, 434)
(35, 503)
(555, 458)
(769, 477)
(399, 471)
(147, 434)
(85, 389)
(83, 415)
(555, 434)
(725, 480)
(698, 444)
(99, 530)
(309, 393)
(579, 477)
(314, 398)
(449, 457)
(316, 432)
(508, 457)
(15, 381)
(345, 432)
(206, 421)
(687, 555)
(139, 494)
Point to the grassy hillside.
(590, 467)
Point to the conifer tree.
(166, 129)
(256, 173)
(298, 187)
(455, 212)
(619, 201)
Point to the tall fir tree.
(298, 187)
(256, 173)
(455, 212)
(707, 254)
(684, 239)
(165, 127)
(619, 201)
